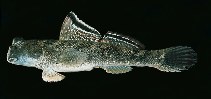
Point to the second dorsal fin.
(119, 39)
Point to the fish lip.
(12, 60)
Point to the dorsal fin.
(118, 39)
(75, 29)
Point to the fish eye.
(16, 40)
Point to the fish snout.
(9, 58)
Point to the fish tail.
(173, 59)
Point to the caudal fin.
(177, 59)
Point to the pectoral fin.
(52, 76)
(117, 69)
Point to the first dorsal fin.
(118, 39)
(75, 29)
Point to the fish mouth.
(9, 59)
(12, 60)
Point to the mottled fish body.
(82, 48)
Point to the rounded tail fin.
(177, 59)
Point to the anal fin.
(117, 69)
(51, 76)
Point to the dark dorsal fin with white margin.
(119, 39)
(75, 29)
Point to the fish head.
(22, 53)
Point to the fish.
(81, 47)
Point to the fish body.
(82, 48)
